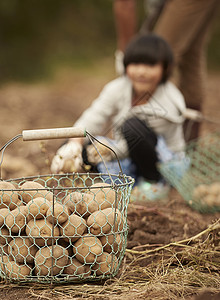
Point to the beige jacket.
(163, 113)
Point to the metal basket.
(199, 185)
(62, 228)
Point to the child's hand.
(94, 157)
(68, 158)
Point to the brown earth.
(58, 103)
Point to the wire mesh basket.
(62, 228)
(199, 184)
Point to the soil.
(58, 103)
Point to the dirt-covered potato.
(81, 203)
(32, 189)
(3, 213)
(73, 228)
(22, 250)
(104, 194)
(41, 232)
(8, 195)
(16, 219)
(5, 236)
(37, 208)
(87, 249)
(50, 260)
(14, 270)
(112, 243)
(106, 264)
(105, 221)
(57, 214)
(75, 268)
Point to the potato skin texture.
(3, 213)
(50, 260)
(74, 227)
(16, 219)
(60, 214)
(22, 250)
(40, 232)
(14, 270)
(112, 242)
(38, 207)
(105, 221)
(75, 268)
(27, 195)
(103, 194)
(81, 203)
(87, 249)
(105, 264)
(8, 199)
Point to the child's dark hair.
(150, 49)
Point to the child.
(143, 108)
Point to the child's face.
(145, 78)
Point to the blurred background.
(39, 36)
(55, 57)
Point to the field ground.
(164, 269)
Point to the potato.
(14, 270)
(211, 200)
(32, 189)
(105, 221)
(57, 214)
(112, 243)
(76, 268)
(16, 219)
(8, 197)
(22, 250)
(200, 191)
(104, 194)
(37, 208)
(74, 227)
(106, 264)
(81, 203)
(5, 236)
(87, 248)
(50, 260)
(3, 213)
(214, 188)
(41, 232)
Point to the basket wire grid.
(199, 185)
(63, 227)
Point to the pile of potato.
(207, 194)
(79, 235)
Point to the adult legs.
(184, 24)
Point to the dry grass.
(173, 271)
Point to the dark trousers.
(141, 142)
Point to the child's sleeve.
(100, 112)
